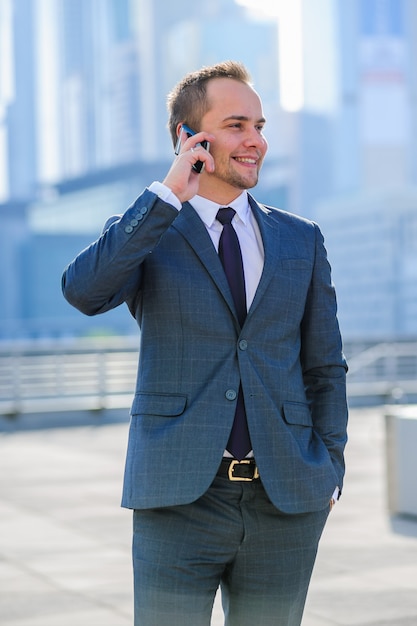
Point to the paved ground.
(65, 542)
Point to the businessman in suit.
(238, 423)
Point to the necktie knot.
(225, 215)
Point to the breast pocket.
(296, 264)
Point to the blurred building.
(83, 85)
(372, 243)
(370, 219)
(18, 158)
(377, 91)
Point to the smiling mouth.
(249, 160)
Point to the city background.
(83, 87)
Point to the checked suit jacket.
(193, 354)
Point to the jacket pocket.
(297, 413)
(166, 405)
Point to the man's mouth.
(249, 160)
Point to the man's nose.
(255, 138)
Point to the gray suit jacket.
(193, 354)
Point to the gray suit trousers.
(232, 537)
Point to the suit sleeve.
(108, 272)
(323, 362)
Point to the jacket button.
(243, 344)
(231, 394)
(134, 222)
(129, 229)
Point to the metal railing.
(85, 374)
(94, 374)
(385, 371)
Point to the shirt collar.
(207, 209)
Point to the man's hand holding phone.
(193, 155)
(198, 165)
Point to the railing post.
(16, 395)
(102, 379)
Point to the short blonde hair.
(187, 102)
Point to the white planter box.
(401, 456)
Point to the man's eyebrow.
(243, 118)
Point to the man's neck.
(222, 199)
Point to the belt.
(244, 470)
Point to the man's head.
(221, 101)
(188, 101)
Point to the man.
(205, 513)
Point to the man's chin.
(250, 183)
(247, 182)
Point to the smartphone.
(198, 165)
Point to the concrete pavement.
(65, 541)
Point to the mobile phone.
(198, 165)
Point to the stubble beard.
(234, 179)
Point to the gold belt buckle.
(245, 462)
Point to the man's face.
(236, 120)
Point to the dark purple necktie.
(231, 257)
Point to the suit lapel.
(191, 227)
(271, 241)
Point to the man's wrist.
(335, 497)
(165, 194)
